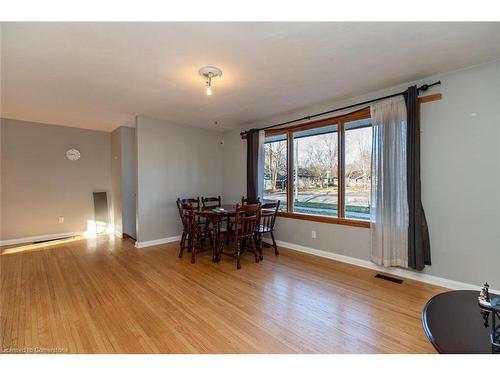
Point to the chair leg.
(258, 243)
(192, 246)
(258, 257)
(276, 252)
(259, 239)
(212, 245)
(260, 248)
(238, 264)
(207, 224)
(183, 244)
(229, 230)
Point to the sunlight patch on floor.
(41, 245)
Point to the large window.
(275, 170)
(321, 170)
(357, 175)
(315, 175)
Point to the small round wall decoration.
(73, 154)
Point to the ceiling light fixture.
(208, 73)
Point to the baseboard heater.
(388, 278)
(52, 240)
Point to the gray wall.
(129, 180)
(460, 179)
(124, 179)
(116, 179)
(234, 166)
(173, 161)
(39, 183)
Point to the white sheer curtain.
(389, 203)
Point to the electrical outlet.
(313, 234)
(61, 219)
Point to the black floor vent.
(388, 278)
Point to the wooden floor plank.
(102, 295)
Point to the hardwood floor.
(102, 295)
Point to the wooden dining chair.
(245, 201)
(194, 202)
(211, 202)
(196, 234)
(246, 220)
(214, 202)
(268, 213)
(185, 228)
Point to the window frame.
(361, 114)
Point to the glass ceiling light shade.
(208, 73)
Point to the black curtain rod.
(421, 88)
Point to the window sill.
(325, 219)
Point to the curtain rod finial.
(425, 87)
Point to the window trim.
(325, 219)
(352, 116)
(339, 121)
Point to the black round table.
(454, 325)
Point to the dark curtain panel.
(419, 249)
(252, 164)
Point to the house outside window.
(323, 168)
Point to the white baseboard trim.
(159, 241)
(44, 237)
(408, 274)
(118, 234)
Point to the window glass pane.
(275, 173)
(358, 152)
(315, 180)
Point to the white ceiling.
(101, 75)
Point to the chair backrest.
(246, 219)
(268, 213)
(194, 202)
(211, 202)
(186, 213)
(179, 204)
(188, 216)
(245, 201)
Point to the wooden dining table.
(216, 217)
